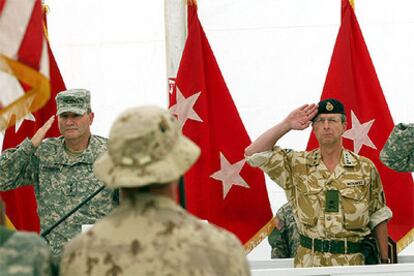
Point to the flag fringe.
(260, 235)
(405, 241)
(9, 224)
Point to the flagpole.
(175, 15)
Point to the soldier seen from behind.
(60, 169)
(336, 195)
(149, 233)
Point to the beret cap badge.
(329, 106)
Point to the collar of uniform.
(314, 157)
(348, 159)
(148, 200)
(85, 157)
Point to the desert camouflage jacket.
(154, 236)
(357, 204)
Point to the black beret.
(330, 106)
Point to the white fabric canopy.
(274, 56)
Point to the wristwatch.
(386, 261)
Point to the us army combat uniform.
(398, 152)
(23, 254)
(284, 240)
(334, 211)
(154, 236)
(60, 182)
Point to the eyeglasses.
(331, 120)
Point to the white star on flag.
(359, 133)
(19, 123)
(184, 108)
(229, 174)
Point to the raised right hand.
(41, 132)
(301, 117)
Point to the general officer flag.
(352, 79)
(220, 187)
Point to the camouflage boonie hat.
(330, 106)
(145, 146)
(77, 101)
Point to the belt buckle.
(326, 245)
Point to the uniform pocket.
(354, 201)
(308, 202)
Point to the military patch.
(332, 201)
(355, 183)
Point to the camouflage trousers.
(306, 258)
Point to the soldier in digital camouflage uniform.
(61, 169)
(22, 253)
(336, 195)
(284, 239)
(398, 152)
(149, 233)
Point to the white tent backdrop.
(274, 55)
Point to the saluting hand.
(41, 132)
(301, 117)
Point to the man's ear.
(91, 116)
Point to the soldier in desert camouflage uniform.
(22, 253)
(284, 239)
(61, 169)
(336, 195)
(398, 152)
(149, 233)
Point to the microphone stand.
(68, 214)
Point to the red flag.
(220, 187)
(21, 202)
(352, 79)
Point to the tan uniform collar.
(348, 158)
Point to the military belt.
(331, 246)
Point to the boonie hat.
(145, 146)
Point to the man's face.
(328, 128)
(73, 126)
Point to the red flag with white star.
(220, 187)
(352, 79)
(34, 50)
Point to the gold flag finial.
(352, 3)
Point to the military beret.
(330, 106)
(77, 101)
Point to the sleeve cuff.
(27, 146)
(259, 159)
(379, 216)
